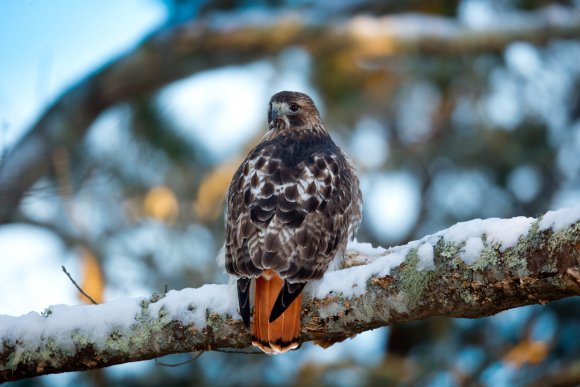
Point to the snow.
(191, 305)
(425, 253)
(352, 282)
(364, 248)
(472, 250)
(503, 232)
(96, 322)
(557, 220)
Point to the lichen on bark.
(542, 266)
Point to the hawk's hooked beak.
(278, 109)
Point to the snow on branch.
(472, 269)
(174, 52)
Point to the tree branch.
(172, 53)
(472, 269)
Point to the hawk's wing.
(291, 217)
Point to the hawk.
(292, 205)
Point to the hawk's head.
(291, 109)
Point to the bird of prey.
(292, 205)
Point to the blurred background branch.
(121, 124)
(174, 52)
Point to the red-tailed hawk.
(292, 205)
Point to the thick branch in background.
(472, 269)
(172, 53)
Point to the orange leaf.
(211, 194)
(93, 282)
(160, 203)
(527, 351)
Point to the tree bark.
(390, 286)
(174, 52)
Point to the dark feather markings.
(254, 181)
(268, 190)
(297, 222)
(247, 228)
(311, 189)
(239, 185)
(248, 197)
(229, 262)
(311, 204)
(282, 176)
(269, 258)
(286, 205)
(291, 193)
(272, 242)
(291, 270)
(267, 204)
(332, 208)
(244, 299)
(273, 166)
(292, 219)
(333, 167)
(333, 243)
(260, 215)
(260, 163)
(245, 264)
(303, 236)
(287, 294)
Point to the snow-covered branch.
(174, 52)
(472, 269)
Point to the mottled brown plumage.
(292, 205)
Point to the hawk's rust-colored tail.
(282, 334)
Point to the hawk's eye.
(294, 108)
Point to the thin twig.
(78, 287)
(245, 352)
(159, 363)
